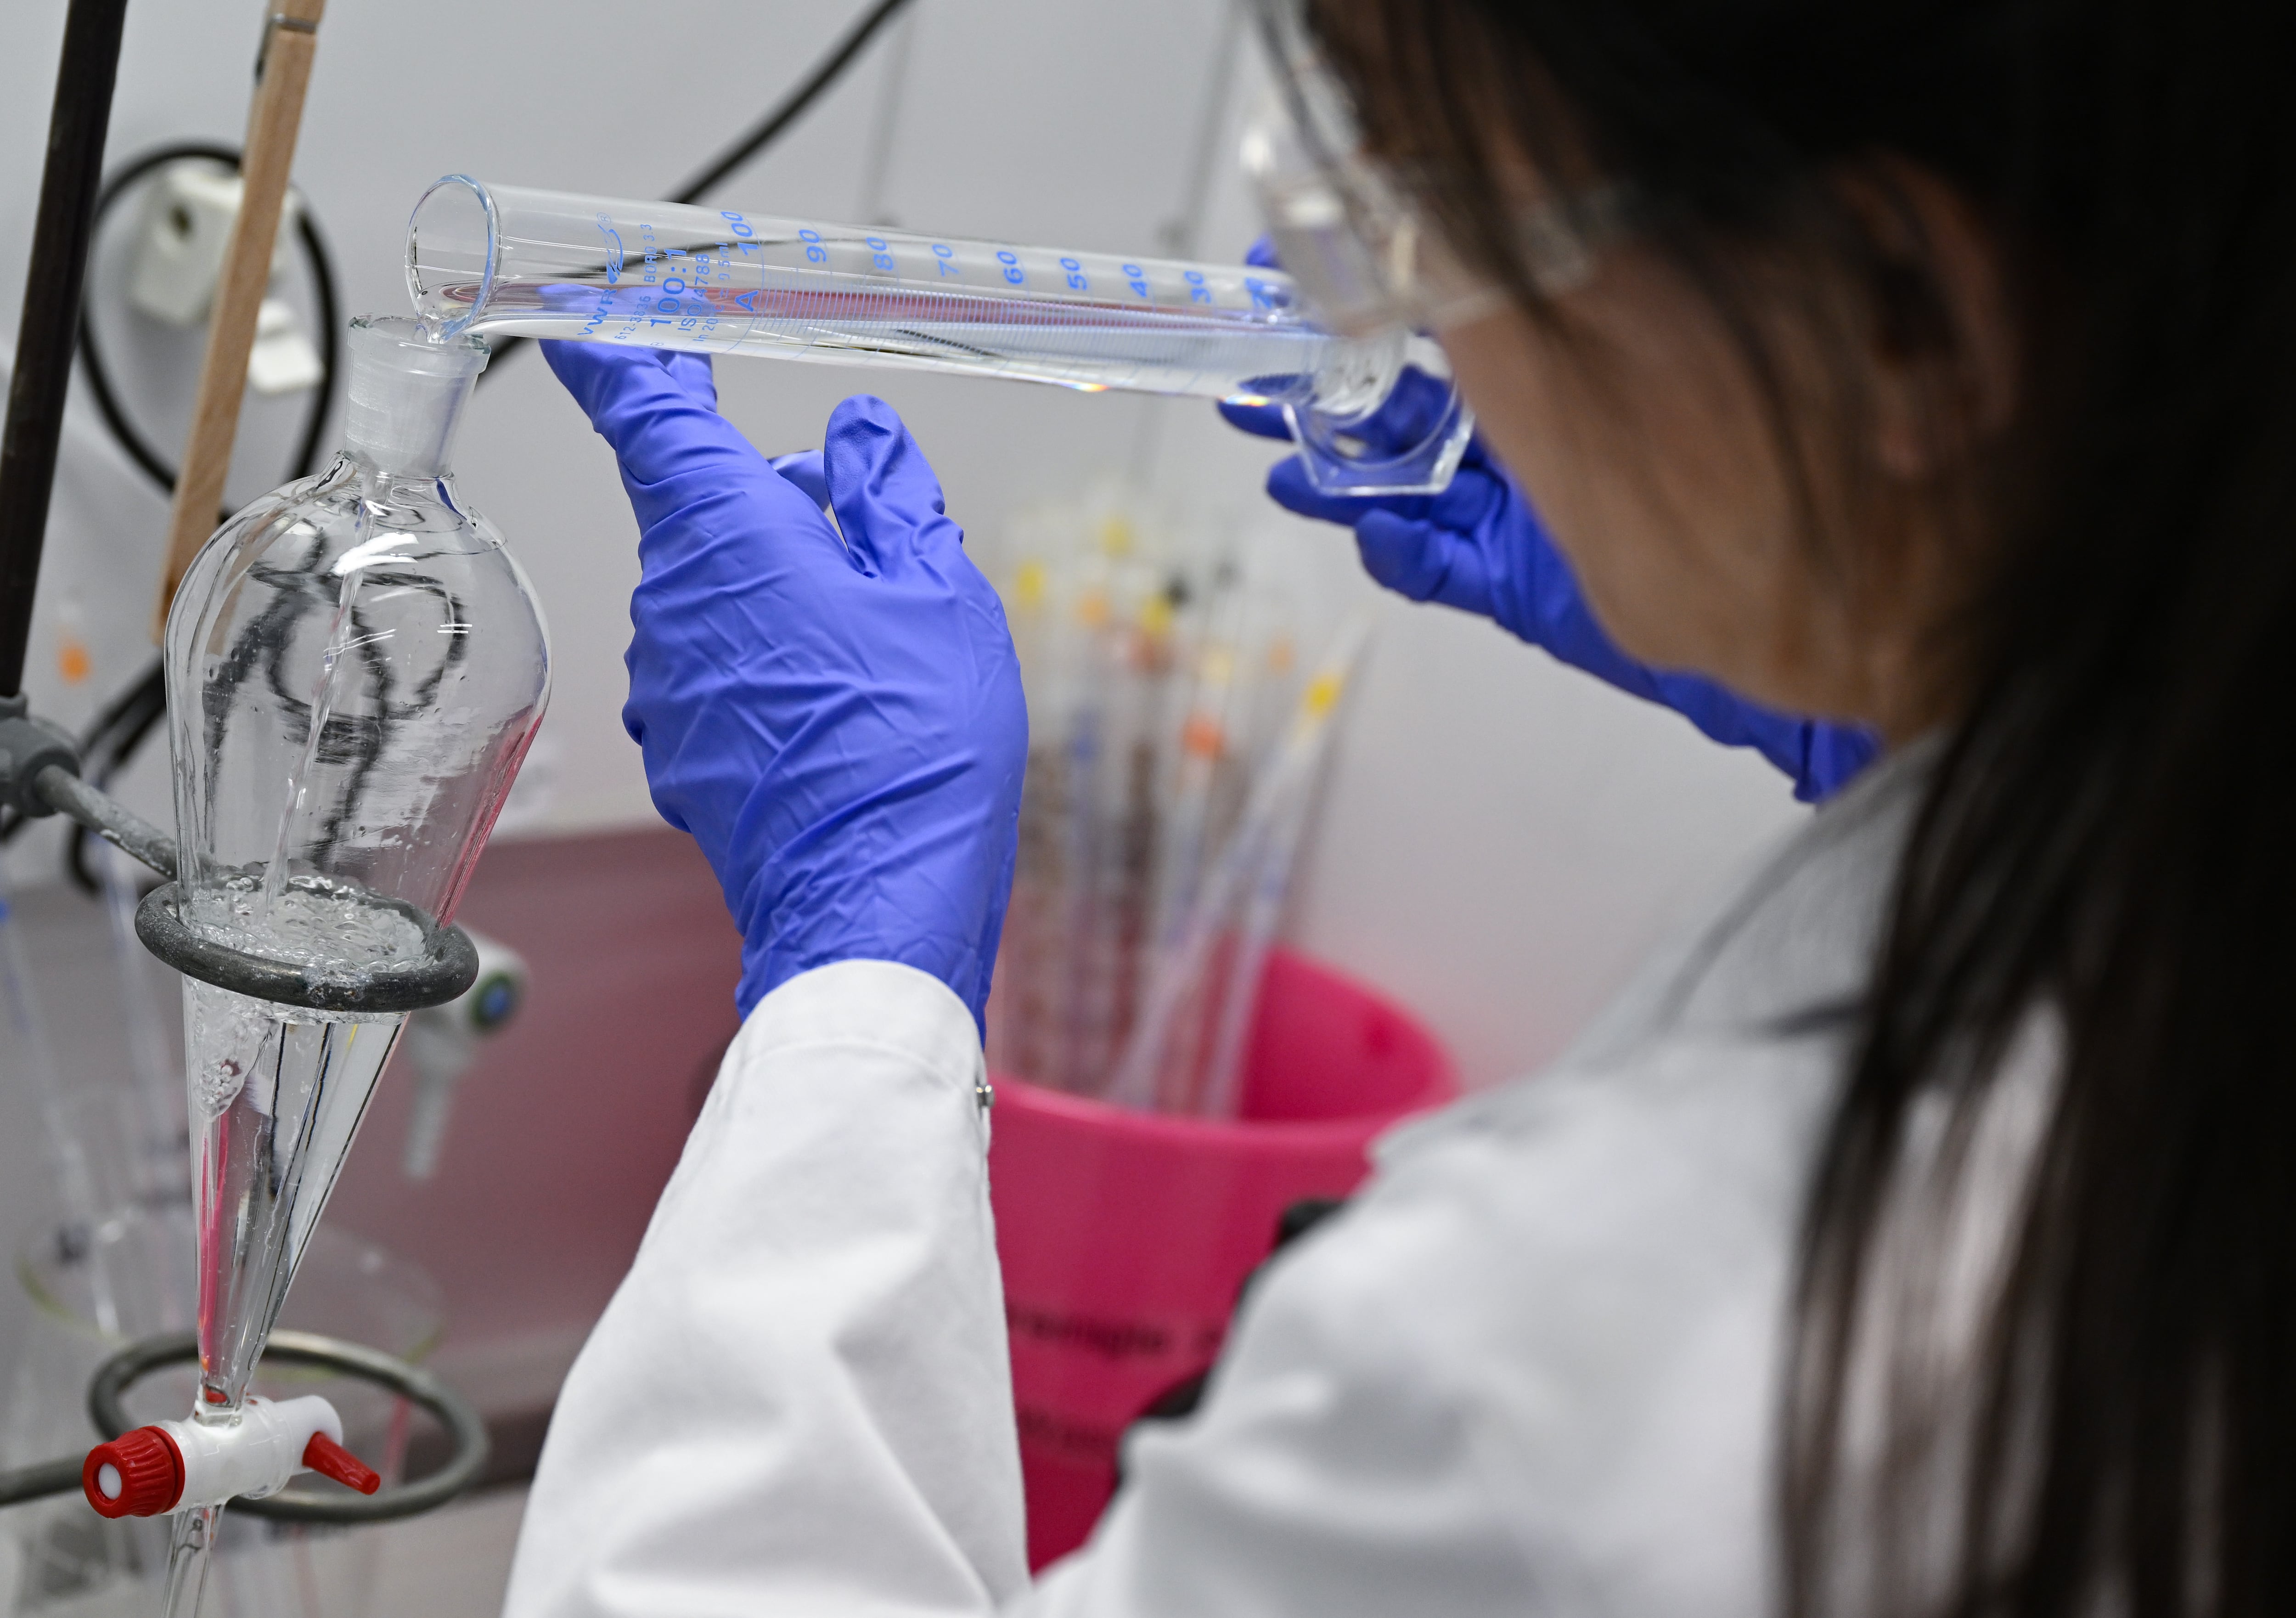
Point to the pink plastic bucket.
(1125, 1237)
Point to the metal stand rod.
(86, 72)
(107, 817)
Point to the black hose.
(37, 1482)
(87, 69)
(131, 439)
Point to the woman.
(1913, 1237)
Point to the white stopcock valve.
(175, 1466)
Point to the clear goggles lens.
(1347, 232)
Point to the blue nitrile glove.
(837, 722)
(1478, 546)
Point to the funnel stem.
(189, 1537)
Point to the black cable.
(138, 448)
(88, 68)
(115, 735)
(767, 129)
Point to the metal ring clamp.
(448, 964)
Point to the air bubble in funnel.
(356, 667)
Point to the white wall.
(1502, 835)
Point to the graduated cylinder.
(483, 259)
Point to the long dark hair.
(2103, 860)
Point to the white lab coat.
(1530, 1368)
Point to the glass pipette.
(489, 259)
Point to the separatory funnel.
(356, 667)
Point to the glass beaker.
(485, 258)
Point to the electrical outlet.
(188, 211)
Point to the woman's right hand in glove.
(833, 711)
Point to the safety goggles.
(1345, 226)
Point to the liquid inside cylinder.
(1375, 411)
(548, 263)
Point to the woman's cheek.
(1644, 444)
(1587, 479)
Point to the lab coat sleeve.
(799, 1399)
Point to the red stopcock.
(175, 1464)
(328, 1459)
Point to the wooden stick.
(290, 39)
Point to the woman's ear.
(1942, 345)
